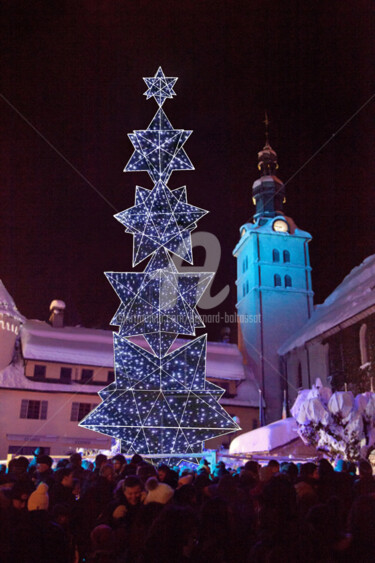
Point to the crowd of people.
(119, 511)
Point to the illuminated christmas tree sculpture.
(160, 401)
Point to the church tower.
(274, 294)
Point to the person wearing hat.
(119, 464)
(44, 471)
(33, 463)
(219, 470)
(158, 492)
(17, 468)
(204, 465)
(39, 500)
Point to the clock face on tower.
(280, 226)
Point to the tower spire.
(266, 123)
(267, 157)
(268, 191)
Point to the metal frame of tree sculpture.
(160, 402)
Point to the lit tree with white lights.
(160, 401)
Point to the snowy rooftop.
(355, 294)
(69, 345)
(13, 377)
(266, 438)
(84, 346)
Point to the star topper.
(160, 87)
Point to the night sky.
(74, 71)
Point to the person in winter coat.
(62, 490)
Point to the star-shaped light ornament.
(162, 405)
(159, 303)
(159, 149)
(160, 87)
(161, 218)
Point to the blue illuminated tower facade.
(274, 293)
(160, 402)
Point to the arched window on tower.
(363, 344)
(286, 256)
(245, 264)
(275, 255)
(288, 281)
(277, 280)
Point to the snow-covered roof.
(266, 438)
(68, 345)
(224, 361)
(234, 402)
(13, 377)
(356, 293)
(247, 392)
(84, 346)
(8, 306)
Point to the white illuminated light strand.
(160, 386)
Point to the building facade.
(52, 374)
(337, 344)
